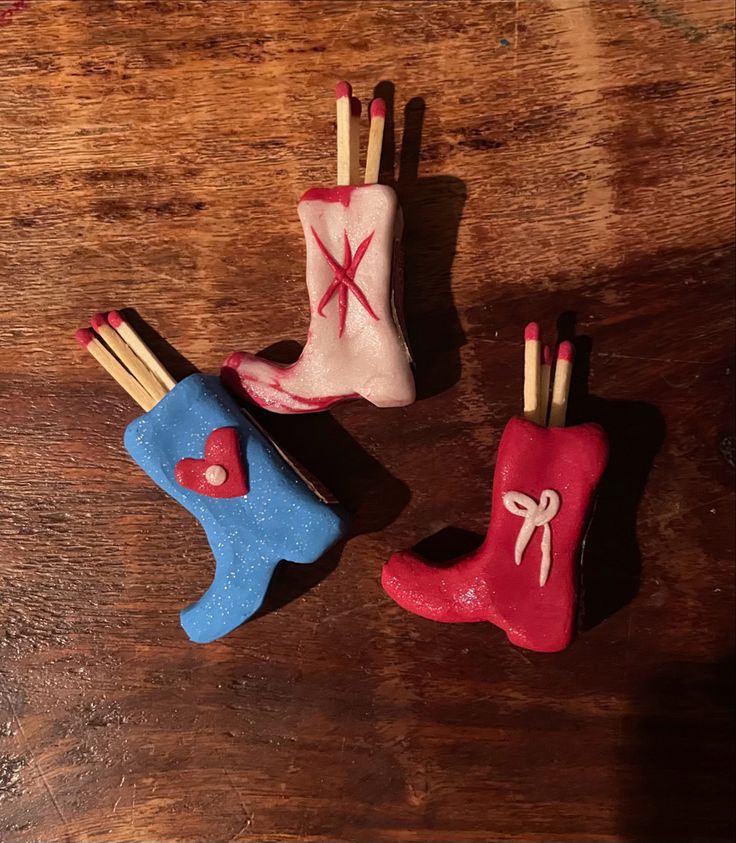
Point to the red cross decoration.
(344, 278)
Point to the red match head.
(115, 319)
(378, 108)
(531, 332)
(566, 351)
(343, 89)
(547, 355)
(355, 108)
(84, 336)
(98, 320)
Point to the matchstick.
(532, 371)
(544, 381)
(561, 387)
(375, 141)
(86, 338)
(128, 333)
(355, 110)
(127, 357)
(343, 93)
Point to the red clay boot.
(524, 576)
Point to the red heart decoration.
(221, 473)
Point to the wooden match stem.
(561, 388)
(342, 105)
(144, 353)
(134, 365)
(121, 375)
(532, 377)
(373, 156)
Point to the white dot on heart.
(215, 475)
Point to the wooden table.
(566, 160)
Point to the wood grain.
(560, 160)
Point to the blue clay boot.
(200, 448)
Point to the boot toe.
(415, 586)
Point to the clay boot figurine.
(355, 346)
(524, 577)
(195, 442)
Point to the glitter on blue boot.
(278, 517)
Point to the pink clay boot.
(355, 347)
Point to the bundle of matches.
(121, 352)
(118, 348)
(348, 137)
(541, 407)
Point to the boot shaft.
(279, 505)
(350, 234)
(532, 460)
(543, 490)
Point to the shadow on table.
(173, 360)
(372, 497)
(678, 743)
(447, 546)
(611, 567)
(432, 207)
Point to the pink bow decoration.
(534, 515)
